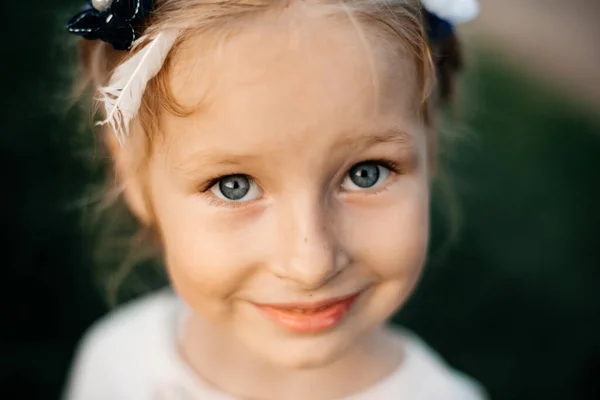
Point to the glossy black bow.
(119, 25)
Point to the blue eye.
(236, 188)
(366, 175)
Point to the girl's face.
(293, 206)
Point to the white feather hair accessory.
(454, 11)
(123, 95)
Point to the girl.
(281, 152)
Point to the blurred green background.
(511, 299)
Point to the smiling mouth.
(309, 317)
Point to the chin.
(304, 352)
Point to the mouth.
(309, 317)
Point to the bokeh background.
(510, 294)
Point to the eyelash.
(393, 166)
(212, 182)
(214, 201)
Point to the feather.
(123, 95)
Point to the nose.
(309, 251)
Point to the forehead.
(287, 76)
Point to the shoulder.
(133, 326)
(122, 348)
(425, 375)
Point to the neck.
(228, 365)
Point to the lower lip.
(310, 321)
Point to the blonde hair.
(400, 21)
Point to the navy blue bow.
(437, 28)
(119, 25)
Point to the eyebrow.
(202, 159)
(391, 135)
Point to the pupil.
(364, 175)
(234, 187)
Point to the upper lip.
(310, 305)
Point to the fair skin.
(293, 108)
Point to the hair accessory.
(118, 22)
(437, 28)
(453, 11)
(123, 95)
(113, 21)
(101, 5)
(442, 15)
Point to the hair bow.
(119, 22)
(116, 22)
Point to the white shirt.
(131, 355)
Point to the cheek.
(391, 238)
(208, 261)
